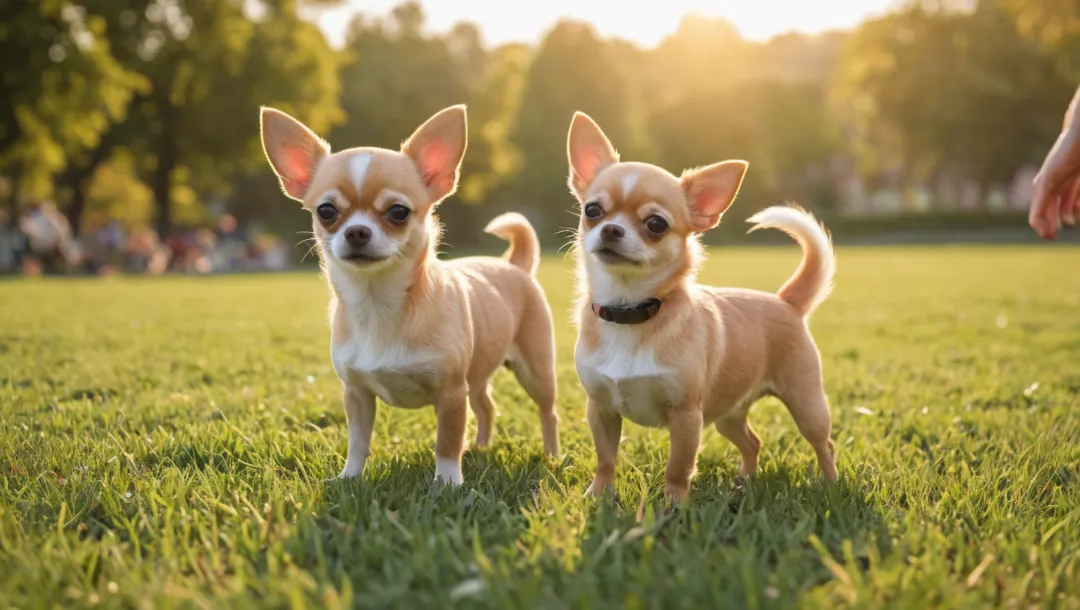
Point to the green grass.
(165, 442)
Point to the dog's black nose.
(358, 236)
(612, 232)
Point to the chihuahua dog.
(660, 350)
(406, 327)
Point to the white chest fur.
(625, 377)
(398, 376)
(374, 355)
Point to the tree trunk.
(77, 205)
(13, 195)
(161, 184)
(78, 177)
(78, 180)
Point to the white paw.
(448, 471)
(351, 470)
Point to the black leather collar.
(628, 314)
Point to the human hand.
(1055, 196)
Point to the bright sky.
(647, 23)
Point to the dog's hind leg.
(804, 397)
(533, 363)
(737, 430)
(484, 409)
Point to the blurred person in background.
(50, 243)
(230, 253)
(12, 245)
(178, 244)
(1055, 200)
(105, 249)
(144, 253)
(96, 248)
(205, 244)
(269, 253)
(191, 250)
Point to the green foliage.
(394, 80)
(1055, 24)
(116, 192)
(572, 70)
(211, 70)
(933, 90)
(932, 95)
(165, 444)
(288, 65)
(714, 96)
(175, 85)
(62, 87)
(492, 159)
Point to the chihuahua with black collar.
(659, 349)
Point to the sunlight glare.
(645, 24)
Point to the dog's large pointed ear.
(589, 151)
(710, 191)
(437, 148)
(293, 150)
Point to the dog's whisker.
(309, 251)
(573, 233)
(571, 248)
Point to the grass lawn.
(164, 442)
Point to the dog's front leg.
(450, 438)
(684, 426)
(606, 427)
(360, 411)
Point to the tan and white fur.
(709, 353)
(406, 327)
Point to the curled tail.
(813, 280)
(524, 249)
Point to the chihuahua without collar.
(407, 327)
(660, 350)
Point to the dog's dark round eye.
(398, 213)
(593, 210)
(326, 212)
(656, 225)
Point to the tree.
(1055, 25)
(394, 79)
(702, 57)
(209, 65)
(62, 88)
(715, 96)
(794, 140)
(290, 67)
(493, 158)
(1016, 98)
(572, 70)
(949, 90)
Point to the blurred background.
(129, 128)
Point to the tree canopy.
(108, 99)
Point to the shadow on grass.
(402, 540)
(508, 539)
(519, 534)
(507, 474)
(765, 541)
